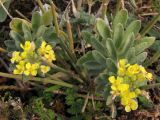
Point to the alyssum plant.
(119, 49)
(40, 51)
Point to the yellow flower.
(19, 68)
(16, 57)
(133, 69)
(130, 104)
(28, 46)
(116, 86)
(44, 69)
(31, 69)
(149, 76)
(122, 63)
(46, 52)
(121, 71)
(50, 56)
(123, 87)
(128, 94)
(24, 55)
(126, 84)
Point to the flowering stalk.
(65, 71)
(54, 17)
(150, 86)
(70, 35)
(118, 5)
(37, 79)
(128, 82)
(104, 7)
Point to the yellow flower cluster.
(30, 60)
(126, 84)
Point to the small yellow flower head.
(46, 52)
(127, 83)
(122, 63)
(31, 69)
(116, 86)
(149, 76)
(44, 69)
(16, 57)
(130, 104)
(19, 68)
(128, 94)
(30, 60)
(133, 69)
(28, 46)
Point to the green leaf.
(103, 29)
(16, 24)
(133, 27)
(10, 45)
(111, 66)
(98, 57)
(131, 54)
(145, 102)
(111, 49)
(139, 58)
(88, 62)
(149, 40)
(87, 57)
(126, 46)
(40, 31)
(156, 46)
(17, 37)
(27, 32)
(95, 43)
(3, 14)
(118, 35)
(98, 46)
(87, 36)
(141, 47)
(121, 17)
(47, 18)
(50, 36)
(36, 21)
(101, 80)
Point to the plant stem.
(85, 103)
(104, 7)
(3, 50)
(55, 17)
(41, 6)
(150, 86)
(36, 79)
(90, 3)
(19, 13)
(118, 5)
(66, 48)
(148, 27)
(65, 71)
(11, 87)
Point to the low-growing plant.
(110, 71)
